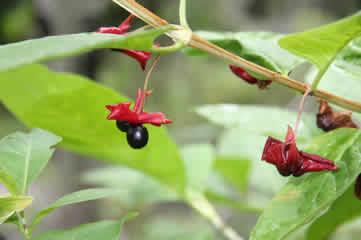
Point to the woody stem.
(300, 108)
(145, 87)
(201, 44)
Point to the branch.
(201, 44)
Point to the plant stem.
(145, 87)
(183, 14)
(300, 108)
(22, 222)
(149, 72)
(201, 205)
(201, 44)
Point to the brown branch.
(203, 45)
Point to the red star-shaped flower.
(290, 161)
(241, 73)
(136, 115)
(141, 56)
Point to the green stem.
(199, 203)
(172, 48)
(320, 74)
(183, 14)
(22, 224)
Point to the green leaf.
(105, 230)
(321, 45)
(259, 120)
(346, 208)
(176, 229)
(258, 47)
(11, 204)
(73, 107)
(9, 183)
(138, 189)
(304, 198)
(75, 197)
(343, 76)
(235, 170)
(198, 160)
(55, 47)
(23, 156)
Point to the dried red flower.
(329, 120)
(136, 115)
(141, 56)
(240, 72)
(290, 161)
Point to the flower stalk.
(201, 44)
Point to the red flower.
(141, 56)
(240, 72)
(290, 161)
(329, 120)
(136, 116)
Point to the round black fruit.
(123, 125)
(137, 136)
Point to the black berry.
(137, 136)
(123, 125)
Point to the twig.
(201, 44)
(201, 205)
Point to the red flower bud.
(290, 161)
(141, 56)
(241, 73)
(136, 115)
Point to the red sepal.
(136, 115)
(241, 73)
(141, 56)
(290, 161)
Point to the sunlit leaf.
(11, 204)
(321, 45)
(55, 47)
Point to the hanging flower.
(141, 56)
(121, 111)
(241, 73)
(131, 120)
(290, 161)
(329, 120)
